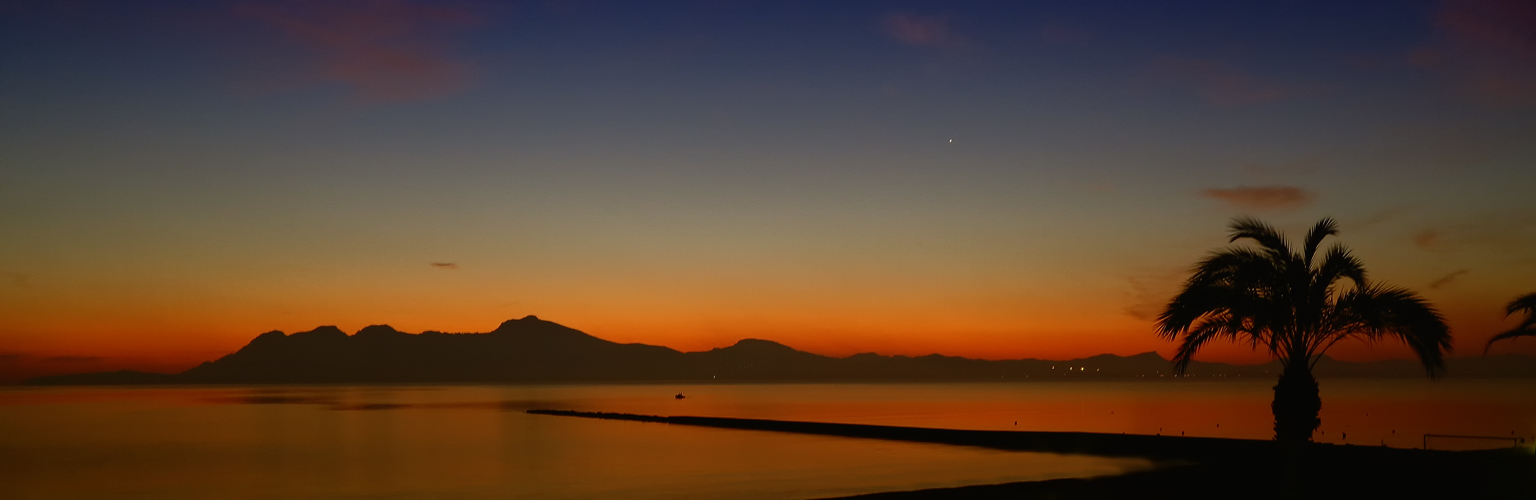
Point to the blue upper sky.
(842, 159)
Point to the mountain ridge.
(531, 350)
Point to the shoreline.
(1193, 467)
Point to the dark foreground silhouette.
(1526, 305)
(531, 350)
(1294, 301)
(1190, 467)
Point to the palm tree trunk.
(1296, 403)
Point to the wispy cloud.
(18, 279)
(1261, 197)
(1448, 279)
(1216, 81)
(16, 357)
(1280, 171)
(1060, 34)
(383, 50)
(921, 31)
(445, 265)
(1379, 217)
(72, 359)
(1426, 239)
(1512, 232)
(1150, 293)
(1487, 47)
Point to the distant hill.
(531, 350)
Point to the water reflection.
(476, 442)
(445, 442)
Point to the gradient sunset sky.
(984, 179)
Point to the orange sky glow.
(1002, 181)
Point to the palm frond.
(1528, 323)
(1192, 304)
(1268, 295)
(1218, 326)
(1228, 262)
(1525, 303)
(1518, 332)
(1324, 228)
(1232, 280)
(1338, 263)
(1377, 311)
(1261, 233)
(1527, 328)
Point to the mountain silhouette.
(531, 350)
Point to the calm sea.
(472, 442)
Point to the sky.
(985, 179)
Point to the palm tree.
(1527, 328)
(1297, 305)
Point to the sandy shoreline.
(1194, 467)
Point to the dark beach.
(1190, 467)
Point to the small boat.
(679, 396)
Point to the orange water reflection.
(476, 442)
(1394, 412)
(446, 442)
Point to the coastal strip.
(1081, 443)
(1173, 448)
(1200, 467)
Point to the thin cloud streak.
(1216, 81)
(1151, 292)
(1487, 48)
(1447, 279)
(384, 51)
(921, 31)
(1262, 197)
(445, 265)
(1380, 217)
(72, 359)
(18, 279)
(1508, 231)
(1426, 239)
(1059, 34)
